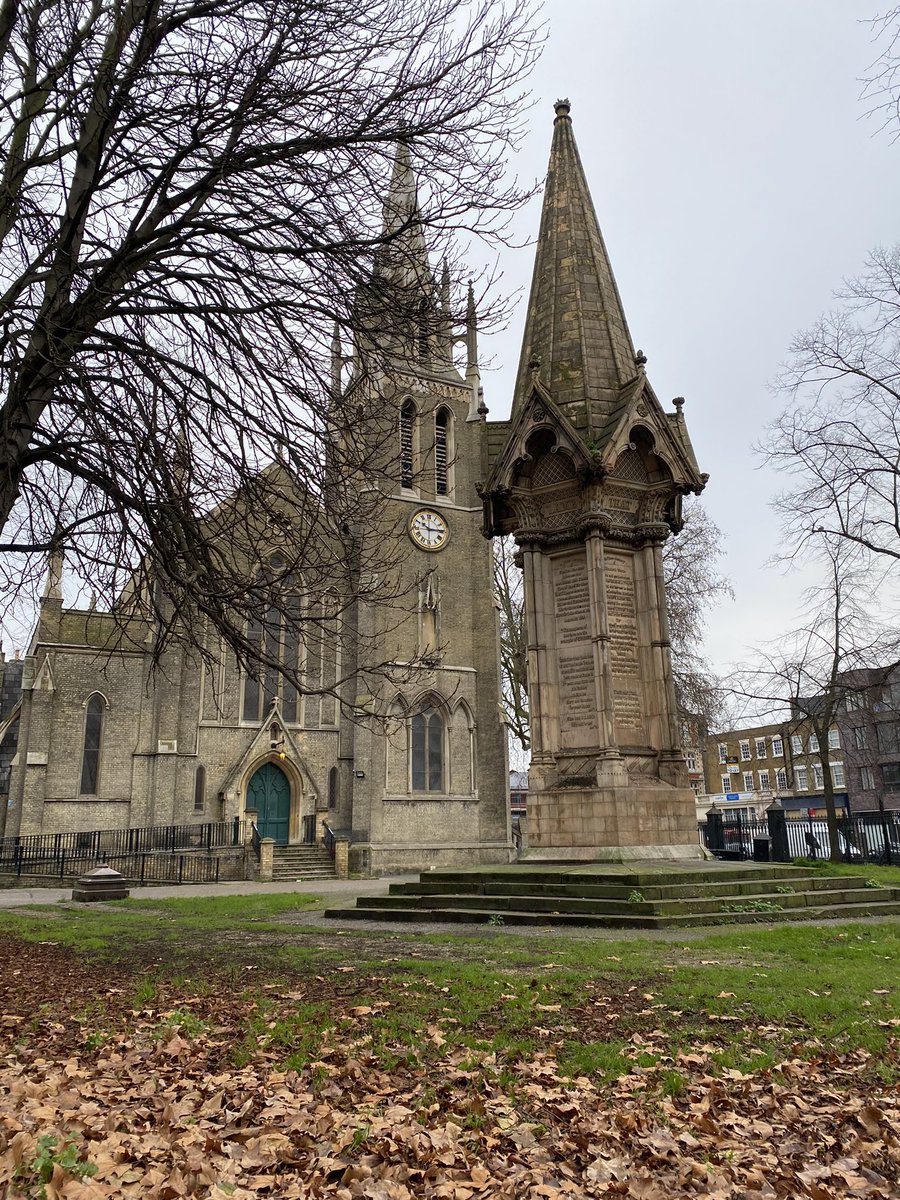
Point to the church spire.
(403, 258)
(407, 305)
(575, 326)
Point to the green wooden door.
(270, 794)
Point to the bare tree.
(509, 596)
(881, 88)
(693, 586)
(816, 667)
(839, 439)
(191, 199)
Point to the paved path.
(338, 891)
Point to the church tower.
(589, 474)
(429, 778)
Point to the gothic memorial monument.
(589, 474)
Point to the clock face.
(428, 529)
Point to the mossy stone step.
(652, 908)
(604, 877)
(487, 916)
(721, 888)
(641, 899)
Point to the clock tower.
(426, 744)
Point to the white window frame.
(813, 743)
(796, 743)
(763, 780)
(838, 776)
(801, 780)
(760, 747)
(723, 752)
(781, 779)
(748, 781)
(818, 776)
(726, 784)
(834, 740)
(867, 779)
(745, 751)
(777, 746)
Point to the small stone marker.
(103, 883)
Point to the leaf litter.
(155, 1105)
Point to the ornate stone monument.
(589, 474)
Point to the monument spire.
(575, 325)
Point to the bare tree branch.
(191, 199)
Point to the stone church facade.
(416, 773)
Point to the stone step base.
(487, 916)
(636, 900)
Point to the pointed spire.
(575, 324)
(56, 561)
(471, 332)
(404, 256)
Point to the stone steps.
(302, 862)
(648, 899)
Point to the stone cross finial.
(640, 359)
(562, 108)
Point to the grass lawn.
(731, 1040)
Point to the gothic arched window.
(200, 789)
(333, 788)
(427, 743)
(407, 437)
(93, 733)
(441, 452)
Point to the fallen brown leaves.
(162, 1115)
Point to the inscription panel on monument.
(621, 609)
(574, 652)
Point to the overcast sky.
(737, 182)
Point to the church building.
(414, 771)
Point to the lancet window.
(93, 735)
(441, 452)
(427, 743)
(407, 441)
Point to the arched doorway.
(269, 792)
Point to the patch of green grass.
(606, 1059)
(34, 1176)
(183, 1022)
(253, 907)
(886, 876)
(172, 923)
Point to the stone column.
(266, 859)
(539, 699)
(600, 638)
(777, 822)
(715, 838)
(342, 857)
(667, 681)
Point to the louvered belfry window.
(440, 453)
(407, 423)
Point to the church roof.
(575, 326)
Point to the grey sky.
(737, 181)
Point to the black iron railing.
(328, 838)
(860, 840)
(53, 853)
